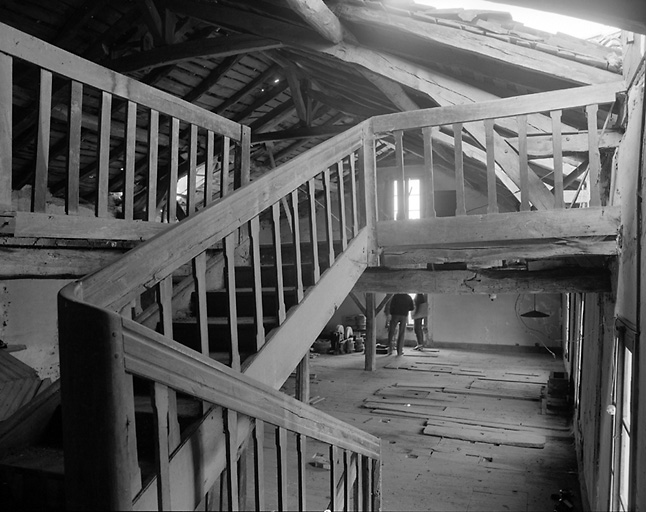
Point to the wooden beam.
(153, 20)
(500, 228)
(416, 257)
(27, 224)
(540, 146)
(456, 282)
(358, 303)
(51, 262)
(318, 16)
(297, 96)
(483, 47)
(213, 47)
(392, 90)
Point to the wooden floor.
(522, 457)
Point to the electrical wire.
(532, 330)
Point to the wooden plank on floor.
(523, 440)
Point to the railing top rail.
(117, 284)
(496, 109)
(154, 356)
(26, 47)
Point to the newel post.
(368, 180)
(96, 425)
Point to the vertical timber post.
(96, 423)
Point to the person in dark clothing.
(399, 307)
(419, 317)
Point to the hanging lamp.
(534, 313)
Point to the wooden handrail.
(115, 285)
(46, 56)
(153, 356)
(495, 109)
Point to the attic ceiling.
(261, 64)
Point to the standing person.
(419, 315)
(399, 307)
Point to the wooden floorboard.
(477, 390)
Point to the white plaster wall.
(477, 319)
(29, 317)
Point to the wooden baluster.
(329, 235)
(259, 464)
(192, 172)
(254, 233)
(153, 159)
(225, 156)
(301, 451)
(42, 148)
(278, 256)
(6, 129)
(346, 480)
(368, 187)
(461, 208)
(165, 288)
(231, 436)
(296, 239)
(523, 167)
(133, 466)
(199, 278)
(103, 178)
(74, 147)
(557, 146)
(594, 155)
(376, 484)
(242, 172)
(342, 220)
(281, 467)
(209, 167)
(333, 477)
(162, 439)
(366, 478)
(229, 258)
(174, 167)
(428, 183)
(353, 197)
(129, 160)
(358, 486)
(311, 193)
(402, 198)
(492, 193)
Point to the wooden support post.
(342, 216)
(333, 476)
(97, 473)
(278, 263)
(303, 380)
(311, 192)
(229, 256)
(376, 484)
(254, 234)
(225, 163)
(368, 179)
(353, 196)
(329, 235)
(209, 167)
(103, 178)
(199, 279)
(371, 334)
(6, 126)
(296, 240)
